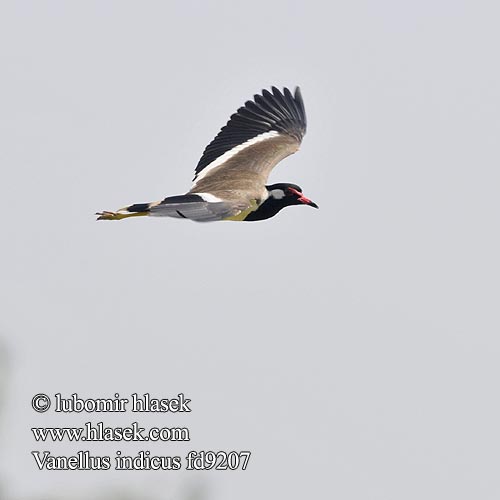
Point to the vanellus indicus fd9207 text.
(230, 179)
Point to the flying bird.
(230, 178)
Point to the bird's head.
(280, 196)
(288, 194)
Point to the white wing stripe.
(232, 152)
(210, 198)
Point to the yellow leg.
(119, 215)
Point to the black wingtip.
(278, 110)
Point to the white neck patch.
(277, 194)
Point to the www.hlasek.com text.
(100, 432)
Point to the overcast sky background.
(354, 350)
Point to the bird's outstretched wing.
(254, 140)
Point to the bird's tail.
(185, 206)
(135, 210)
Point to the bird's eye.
(294, 191)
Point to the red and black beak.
(307, 201)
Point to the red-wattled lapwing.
(230, 179)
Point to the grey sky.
(354, 350)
